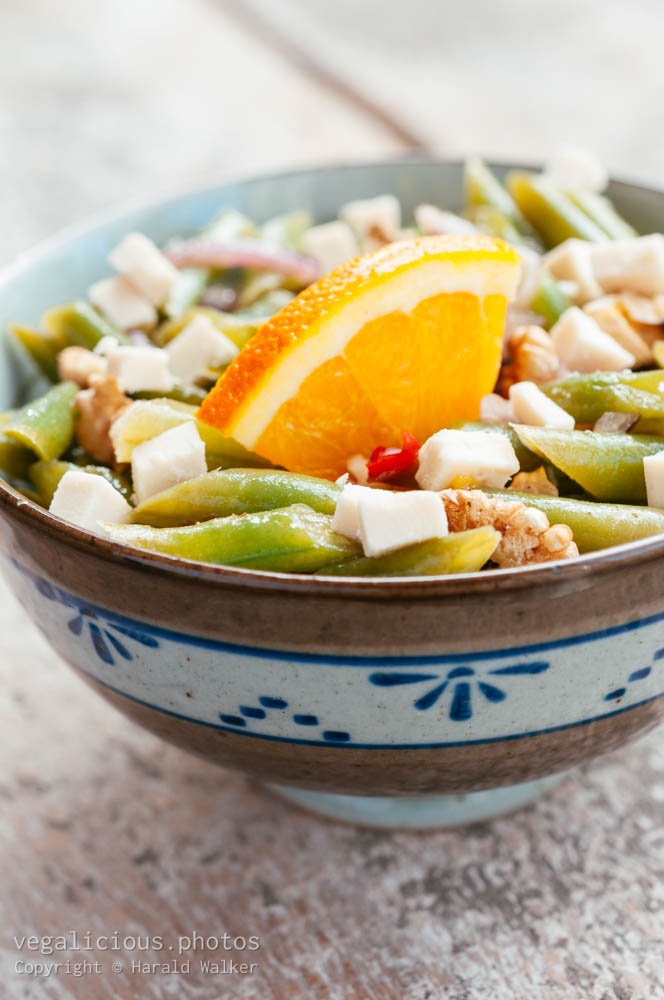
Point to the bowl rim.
(381, 588)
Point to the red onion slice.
(245, 253)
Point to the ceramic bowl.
(416, 702)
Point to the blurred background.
(104, 101)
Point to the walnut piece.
(99, 406)
(532, 358)
(527, 536)
(77, 364)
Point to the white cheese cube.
(172, 457)
(531, 406)
(608, 314)
(466, 458)
(139, 369)
(346, 518)
(653, 468)
(631, 265)
(432, 219)
(331, 244)
(582, 346)
(199, 346)
(374, 220)
(357, 466)
(143, 263)
(572, 168)
(389, 521)
(122, 304)
(85, 499)
(572, 261)
(531, 264)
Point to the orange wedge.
(406, 338)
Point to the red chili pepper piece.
(390, 463)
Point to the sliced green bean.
(595, 525)
(15, 458)
(291, 539)
(461, 552)
(192, 395)
(46, 425)
(602, 212)
(608, 466)
(490, 220)
(145, 419)
(554, 216)
(549, 300)
(287, 230)
(482, 187)
(235, 491)
(239, 327)
(528, 461)
(587, 397)
(42, 347)
(78, 323)
(47, 474)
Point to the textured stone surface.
(103, 828)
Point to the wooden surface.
(103, 829)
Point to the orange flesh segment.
(415, 371)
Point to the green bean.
(549, 301)
(461, 552)
(595, 525)
(490, 220)
(482, 187)
(587, 397)
(47, 474)
(527, 460)
(602, 212)
(608, 466)
(554, 216)
(235, 491)
(287, 230)
(192, 281)
(145, 419)
(46, 425)
(192, 395)
(15, 458)
(292, 539)
(78, 323)
(43, 348)
(239, 327)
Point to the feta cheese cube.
(383, 521)
(531, 264)
(531, 406)
(466, 458)
(389, 521)
(331, 244)
(609, 314)
(357, 466)
(573, 167)
(171, 457)
(140, 369)
(432, 219)
(582, 346)
(346, 519)
(199, 346)
(631, 265)
(572, 261)
(122, 304)
(143, 263)
(374, 221)
(86, 499)
(653, 469)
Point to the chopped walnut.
(99, 406)
(532, 358)
(527, 535)
(536, 482)
(77, 364)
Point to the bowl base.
(428, 812)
